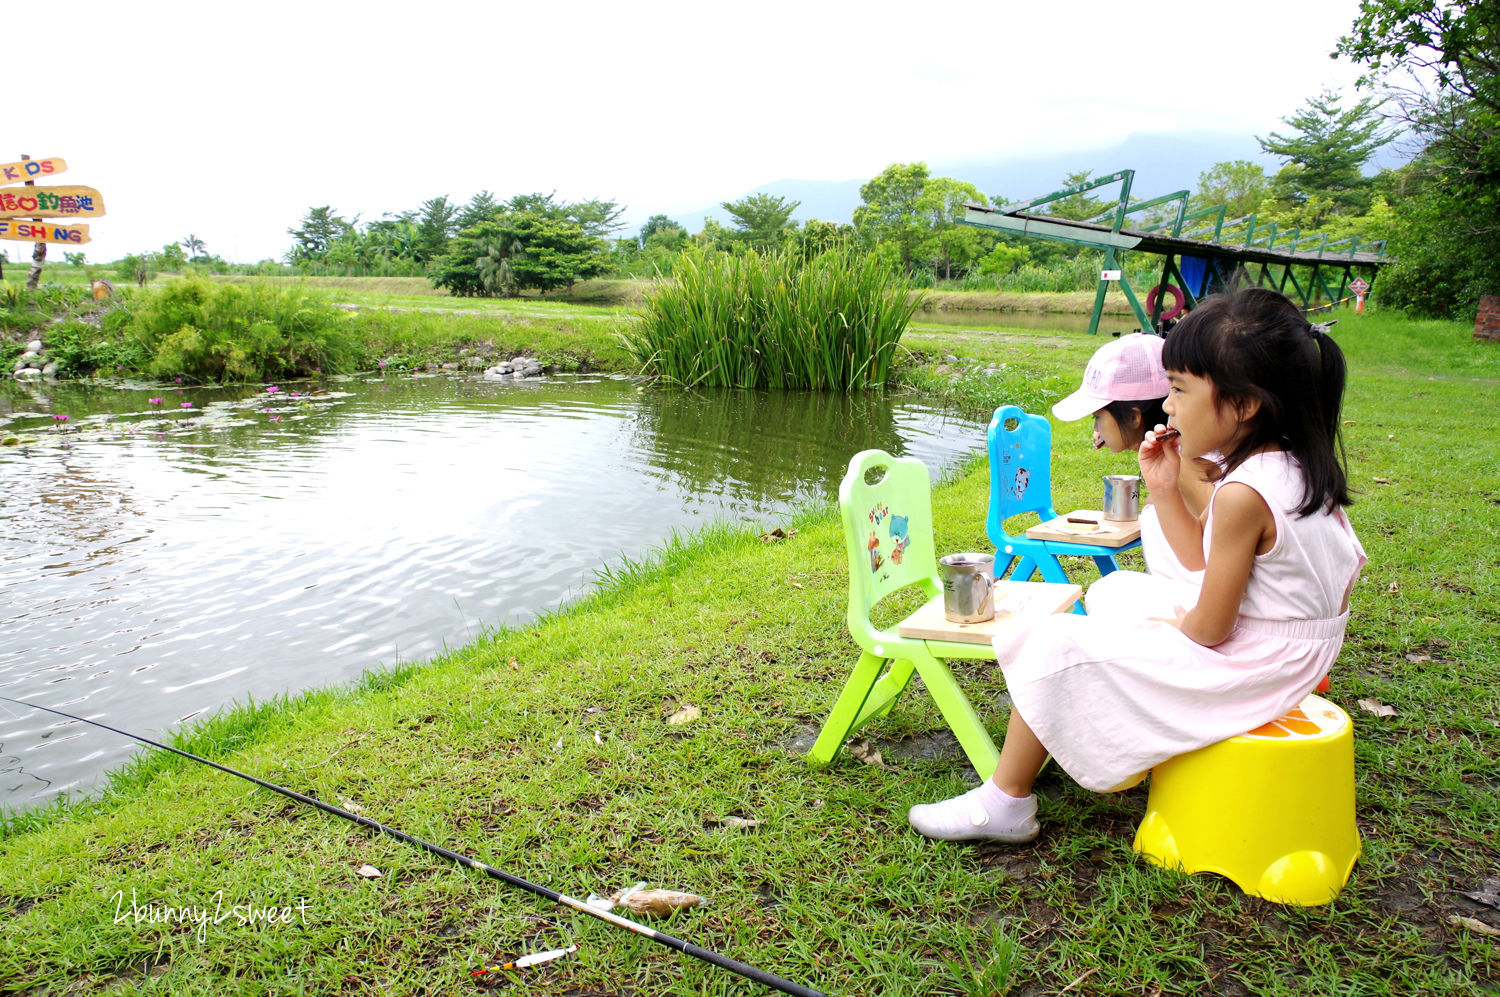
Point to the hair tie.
(1321, 328)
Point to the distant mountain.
(1163, 163)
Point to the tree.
(320, 229)
(892, 212)
(194, 246)
(482, 207)
(1437, 65)
(435, 226)
(1080, 206)
(1326, 155)
(497, 272)
(518, 250)
(656, 224)
(1238, 184)
(761, 219)
(948, 244)
(596, 218)
(171, 257)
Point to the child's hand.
(1175, 621)
(1160, 460)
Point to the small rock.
(35, 346)
(27, 374)
(50, 369)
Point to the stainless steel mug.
(1122, 497)
(968, 587)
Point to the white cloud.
(231, 121)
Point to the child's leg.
(1021, 758)
(1002, 807)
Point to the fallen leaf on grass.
(349, 805)
(1376, 708)
(777, 534)
(1381, 481)
(658, 902)
(1393, 588)
(733, 821)
(1488, 893)
(368, 871)
(1473, 924)
(685, 713)
(862, 750)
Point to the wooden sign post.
(24, 213)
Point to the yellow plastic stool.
(1271, 809)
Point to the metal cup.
(1122, 497)
(968, 587)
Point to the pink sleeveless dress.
(1113, 693)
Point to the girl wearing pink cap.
(1123, 388)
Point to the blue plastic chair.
(1020, 448)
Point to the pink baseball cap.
(1126, 370)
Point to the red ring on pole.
(1178, 300)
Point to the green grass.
(545, 751)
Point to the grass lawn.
(548, 752)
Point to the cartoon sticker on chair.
(1023, 478)
(899, 538)
(875, 559)
(878, 514)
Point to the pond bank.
(632, 294)
(547, 751)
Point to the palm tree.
(496, 275)
(193, 245)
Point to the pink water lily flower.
(154, 401)
(273, 388)
(187, 404)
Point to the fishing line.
(686, 948)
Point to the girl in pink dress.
(1144, 677)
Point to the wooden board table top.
(1016, 603)
(1100, 532)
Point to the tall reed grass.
(775, 321)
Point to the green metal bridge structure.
(1217, 254)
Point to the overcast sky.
(229, 121)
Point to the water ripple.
(158, 566)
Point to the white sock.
(984, 812)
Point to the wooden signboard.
(31, 169)
(27, 230)
(50, 202)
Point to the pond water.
(166, 552)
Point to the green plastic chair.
(888, 537)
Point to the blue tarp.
(1194, 270)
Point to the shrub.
(774, 321)
(238, 332)
(80, 349)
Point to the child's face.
(1109, 430)
(1193, 409)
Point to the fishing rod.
(686, 948)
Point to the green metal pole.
(1094, 316)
